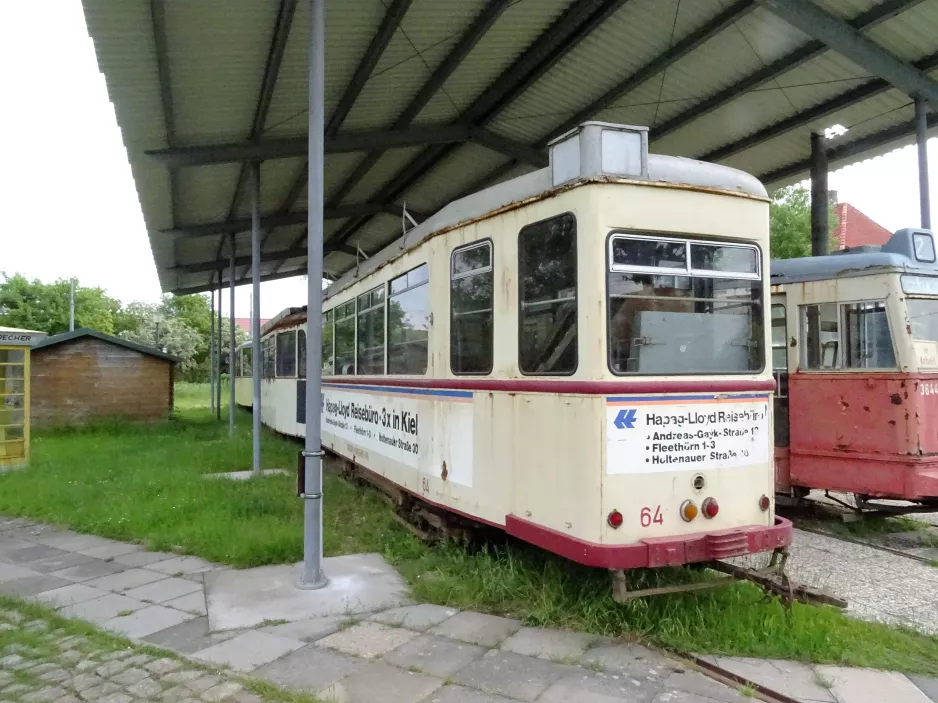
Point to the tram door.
(780, 368)
(14, 418)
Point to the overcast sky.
(69, 203)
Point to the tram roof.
(427, 101)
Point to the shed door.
(12, 405)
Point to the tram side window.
(409, 322)
(547, 329)
(345, 339)
(270, 357)
(301, 353)
(247, 369)
(847, 336)
(779, 339)
(328, 344)
(471, 309)
(682, 306)
(371, 332)
(286, 354)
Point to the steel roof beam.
(850, 149)
(277, 219)
(846, 41)
(806, 117)
(392, 18)
(244, 280)
(675, 53)
(563, 35)
(780, 66)
(158, 18)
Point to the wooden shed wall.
(87, 379)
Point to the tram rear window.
(680, 307)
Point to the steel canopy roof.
(427, 100)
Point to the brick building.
(855, 228)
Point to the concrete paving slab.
(308, 630)
(437, 656)
(249, 650)
(871, 686)
(69, 595)
(696, 684)
(367, 639)
(556, 645)
(32, 553)
(379, 682)
(100, 610)
(31, 585)
(190, 636)
(33, 532)
(109, 551)
(57, 563)
(629, 658)
(512, 675)
(358, 583)
(477, 628)
(73, 542)
(12, 572)
(587, 687)
(415, 617)
(793, 678)
(245, 475)
(181, 565)
(94, 568)
(927, 685)
(310, 669)
(146, 621)
(164, 590)
(9, 544)
(125, 580)
(460, 694)
(191, 603)
(143, 558)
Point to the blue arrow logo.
(625, 420)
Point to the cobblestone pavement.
(416, 653)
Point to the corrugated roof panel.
(351, 25)
(910, 35)
(459, 170)
(376, 234)
(216, 64)
(381, 173)
(205, 192)
(277, 176)
(845, 9)
(819, 79)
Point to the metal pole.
(218, 354)
(211, 354)
(312, 576)
(231, 337)
(820, 219)
(71, 306)
(256, 312)
(921, 138)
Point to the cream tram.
(855, 349)
(577, 356)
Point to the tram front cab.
(855, 353)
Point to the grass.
(143, 484)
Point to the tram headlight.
(710, 508)
(688, 510)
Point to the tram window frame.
(327, 362)
(285, 366)
(686, 270)
(409, 287)
(300, 353)
(247, 367)
(844, 360)
(375, 320)
(462, 275)
(534, 226)
(783, 344)
(345, 314)
(268, 357)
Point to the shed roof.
(428, 100)
(83, 332)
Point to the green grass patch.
(144, 484)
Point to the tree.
(790, 223)
(32, 304)
(155, 328)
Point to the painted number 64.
(648, 518)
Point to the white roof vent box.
(599, 149)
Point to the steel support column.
(231, 336)
(820, 220)
(211, 354)
(218, 348)
(256, 314)
(312, 576)
(921, 138)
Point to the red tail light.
(710, 508)
(764, 503)
(614, 519)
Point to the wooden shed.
(86, 375)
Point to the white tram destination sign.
(648, 434)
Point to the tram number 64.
(648, 518)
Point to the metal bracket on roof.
(405, 216)
(359, 257)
